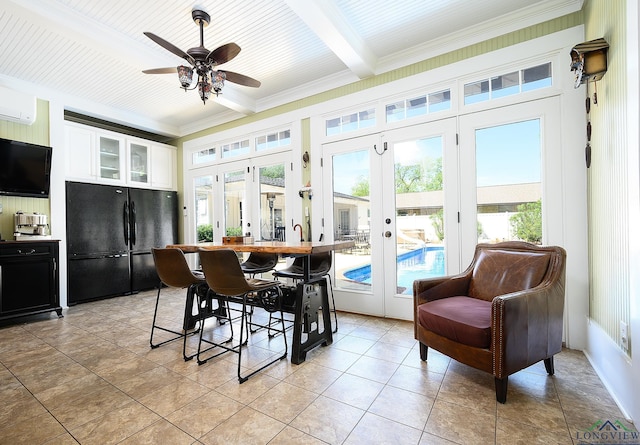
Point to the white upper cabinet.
(164, 159)
(138, 162)
(100, 156)
(110, 158)
(81, 153)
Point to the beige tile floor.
(91, 378)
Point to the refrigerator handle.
(134, 226)
(125, 220)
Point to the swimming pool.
(425, 262)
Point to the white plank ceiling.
(91, 53)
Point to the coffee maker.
(30, 226)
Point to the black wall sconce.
(589, 61)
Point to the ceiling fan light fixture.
(185, 75)
(218, 78)
(203, 62)
(204, 88)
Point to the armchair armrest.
(429, 289)
(526, 327)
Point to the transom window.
(507, 84)
(273, 140)
(418, 106)
(203, 156)
(237, 148)
(350, 122)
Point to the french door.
(395, 196)
(416, 201)
(243, 198)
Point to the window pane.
(272, 140)
(367, 118)
(476, 92)
(395, 112)
(285, 138)
(505, 85)
(417, 106)
(261, 143)
(439, 101)
(333, 126)
(536, 77)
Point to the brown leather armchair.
(501, 315)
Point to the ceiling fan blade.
(170, 47)
(223, 53)
(241, 79)
(170, 70)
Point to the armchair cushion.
(461, 319)
(499, 272)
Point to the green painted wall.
(38, 133)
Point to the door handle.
(125, 222)
(387, 234)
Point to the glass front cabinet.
(138, 158)
(101, 156)
(110, 158)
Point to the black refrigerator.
(110, 233)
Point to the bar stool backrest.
(173, 269)
(223, 273)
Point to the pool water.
(425, 262)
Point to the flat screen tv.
(25, 169)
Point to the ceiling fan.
(204, 62)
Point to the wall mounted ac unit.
(17, 107)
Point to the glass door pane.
(110, 158)
(420, 229)
(272, 202)
(352, 210)
(139, 163)
(203, 205)
(234, 202)
(508, 182)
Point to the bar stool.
(173, 270)
(259, 262)
(226, 279)
(319, 266)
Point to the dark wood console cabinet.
(29, 278)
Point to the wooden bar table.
(311, 295)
